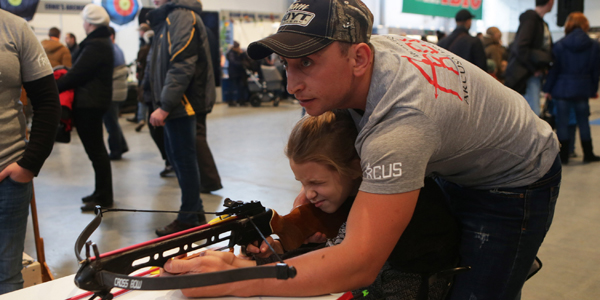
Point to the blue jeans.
(582, 112)
(532, 93)
(502, 230)
(14, 209)
(116, 140)
(180, 145)
(142, 111)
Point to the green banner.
(442, 8)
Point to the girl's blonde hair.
(327, 139)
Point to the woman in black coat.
(91, 78)
(572, 80)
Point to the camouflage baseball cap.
(310, 25)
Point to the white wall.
(592, 11)
(246, 5)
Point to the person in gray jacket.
(182, 83)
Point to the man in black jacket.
(530, 54)
(183, 86)
(91, 77)
(461, 43)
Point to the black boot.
(564, 152)
(588, 152)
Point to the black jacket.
(461, 43)
(236, 68)
(529, 39)
(181, 72)
(576, 70)
(92, 72)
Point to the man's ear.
(363, 58)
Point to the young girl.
(323, 158)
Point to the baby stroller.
(265, 88)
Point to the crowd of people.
(447, 188)
(567, 72)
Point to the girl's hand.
(300, 199)
(264, 251)
(316, 238)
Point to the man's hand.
(16, 173)
(157, 118)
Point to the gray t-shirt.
(22, 59)
(431, 112)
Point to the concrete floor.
(247, 144)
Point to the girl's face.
(324, 187)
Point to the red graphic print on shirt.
(429, 60)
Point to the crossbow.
(244, 223)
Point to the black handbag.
(540, 58)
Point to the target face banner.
(121, 12)
(22, 8)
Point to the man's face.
(321, 81)
(159, 3)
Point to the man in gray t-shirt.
(421, 111)
(24, 63)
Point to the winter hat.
(95, 15)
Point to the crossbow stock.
(247, 223)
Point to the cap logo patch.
(297, 17)
(298, 6)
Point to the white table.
(63, 288)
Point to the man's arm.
(46, 107)
(374, 226)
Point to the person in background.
(530, 54)
(156, 132)
(142, 110)
(571, 81)
(494, 51)
(209, 174)
(237, 75)
(461, 43)
(116, 140)
(440, 35)
(24, 63)
(183, 87)
(71, 42)
(92, 78)
(57, 53)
